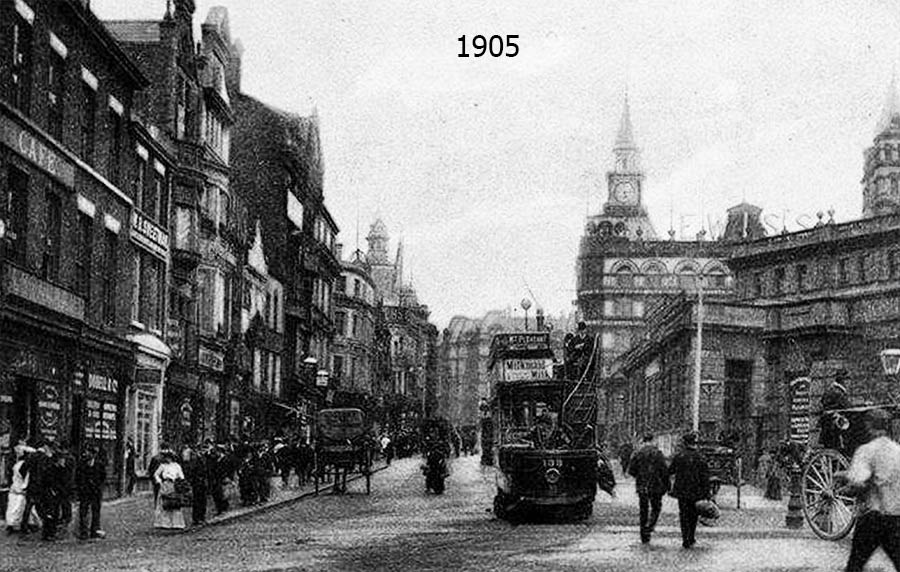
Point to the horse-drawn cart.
(344, 445)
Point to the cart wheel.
(830, 515)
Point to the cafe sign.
(29, 146)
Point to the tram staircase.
(579, 410)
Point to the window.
(180, 105)
(52, 230)
(257, 368)
(162, 195)
(144, 432)
(341, 284)
(862, 263)
(21, 61)
(801, 277)
(115, 146)
(356, 287)
(340, 321)
(149, 289)
(85, 252)
(355, 325)
(88, 122)
(276, 386)
(109, 277)
(893, 263)
(207, 290)
(150, 198)
(624, 277)
(15, 210)
(842, 271)
(757, 284)
(140, 177)
(778, 280)
(56, 71)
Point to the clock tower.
(881, 174)
(623, 212)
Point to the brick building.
(85, 187)
(188, 99)
(278, 171)
(355, 318)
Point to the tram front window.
(529, 424)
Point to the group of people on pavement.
(686, 479)
(46, 479)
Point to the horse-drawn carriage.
(344, 445)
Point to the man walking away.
(691, 484)
(91, 475)
(651, 480)
(625, 452)
(130, 474)
(194, 468)
(874, 476)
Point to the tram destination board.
(522, 341)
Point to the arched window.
(624, 277)
(687, 276)
(653, 275)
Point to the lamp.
(890, 361)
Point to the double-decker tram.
(543, 442)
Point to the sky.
(486, 167)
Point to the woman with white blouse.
(167, 516)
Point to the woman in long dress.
(16, 503)
(165, 476)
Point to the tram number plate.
(552, 463)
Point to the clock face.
(625, 193)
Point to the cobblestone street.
(399, 527)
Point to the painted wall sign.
(31, 148)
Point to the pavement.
(399, 527)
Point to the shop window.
(145, 413)
(56, 71)
(22, 62)
(15, 213)
(85, 253)
(53, 229)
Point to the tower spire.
(890, 115)
(625, 138)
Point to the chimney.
(339, 251)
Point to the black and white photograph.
(449, 285)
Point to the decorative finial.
(701, 236)
(671, 234)
(830, 216)
(820, 215)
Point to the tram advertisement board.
(800, 410)
(527, 369)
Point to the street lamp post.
(698, 358)
(525, 304)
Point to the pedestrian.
(64, 466)
(386, 448)
(874, 477)
(168, 513)
(195, 473)
(155, 462)
(43, 488)
(691, 474)
(774, 476)
(216, 472)
(651, 481)
(763, 466)
(625, 451)
(15, 502)
(91, 475)
(130, 461)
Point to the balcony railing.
(25, 285)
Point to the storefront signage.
(32, 149)
(148, 234)
(31, 364)
(103, 383)
(211, 359)
(800, 410)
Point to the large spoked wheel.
(831, 515)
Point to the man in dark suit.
(651, 480)
(90, 477)
(691, 484)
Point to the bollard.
(794, 517)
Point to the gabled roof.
(135, 31)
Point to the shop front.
(144, 399)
